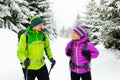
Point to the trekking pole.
(50, 70)
(52, 65)
(26, 74)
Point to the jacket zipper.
(77, 56)
(37, 40)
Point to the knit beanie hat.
(80, 31)
(35, 20)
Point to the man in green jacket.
(31, 51)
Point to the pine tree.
(109, 13)
(4, 14)
(19, 14)
(16, 14)
(78, 21)
(62, 32)
(91, 14)
(66, 33)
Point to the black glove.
(86, 54)
(52, 62)
(69, 52)
(27, 62)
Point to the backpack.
(71, 64)
(20, 33)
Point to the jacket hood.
(83, 39)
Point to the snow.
(9, 68)
(105, 67)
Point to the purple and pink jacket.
(77, 57)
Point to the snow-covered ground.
(105, 67)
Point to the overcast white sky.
(65, 11)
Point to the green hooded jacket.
(34, 50)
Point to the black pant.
(85, 76)
(41, 74)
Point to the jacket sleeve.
(47, 48)
(93, 50)
(67, 48)
(21, 52)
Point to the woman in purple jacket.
(81, 51)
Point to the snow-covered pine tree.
(68, 33)
(62, 32)
(18, 14)
(110, 14)
(78, 20)
(4, 14)
(43, 8)
(92, 21)
(14, 14)
(65, 33)
(91, 14)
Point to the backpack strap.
(44, 36)
(84, 46)
(20, 33)
(71, 50)
(26, 34)
(87, 65)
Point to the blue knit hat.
(35, 20)
(80, 31)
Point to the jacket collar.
(28, 30)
